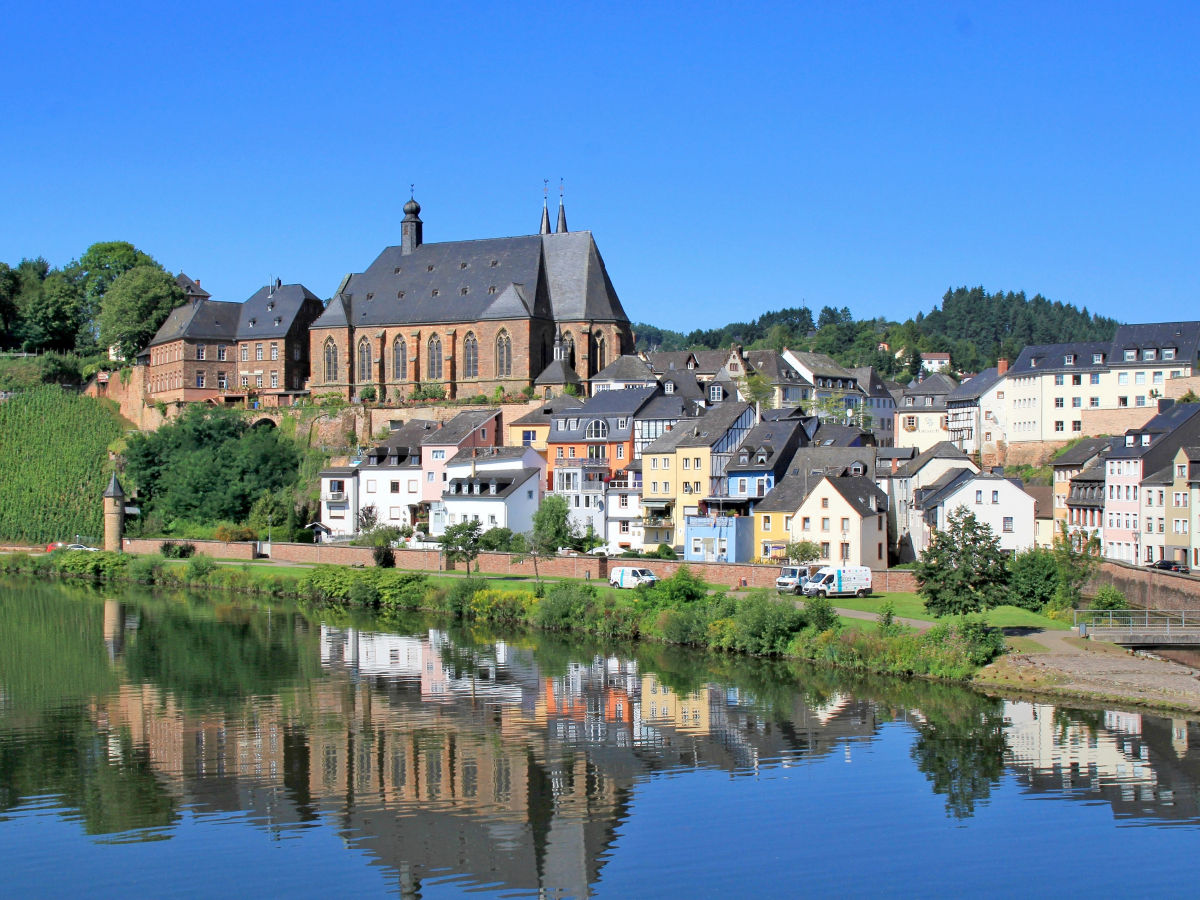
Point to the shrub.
(459, 596)
(666, 551)
(367, 394)
(564, 606)
(364, 593)
(146, 569)
(886, 617)
(199, 567)
(234, 533)
(499, 539)
(403, 590)
(101, 564)
(820, 614)
(759, 625)
(384, 556)
(1109, 597)
(172, 550)
(681, 588)
(500, 606)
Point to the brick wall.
(1116, 421)
(1148, 588)
(218, 549)
(1177, 387)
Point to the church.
(468, 317)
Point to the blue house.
(718, 539)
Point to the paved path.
(919, 624)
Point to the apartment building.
(924, 419)
(498, 487)
(759, 462)
(999, 502)
(975, 413)
(1085, 504)
(1143, 452)
(1060, 391)
(829, 380)
(1071, 463)
(878, 406)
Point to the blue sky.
(729, 159)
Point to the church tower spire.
(562, 211)
(545, 208)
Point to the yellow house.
(682, 468)
(845, 515)
(533, 428)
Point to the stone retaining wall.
(218, 549)
(1148, 588)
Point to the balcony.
(658, 522)
(336, 497)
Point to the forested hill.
(974, 327)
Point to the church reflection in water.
(492, 763)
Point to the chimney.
(1164, 404)
(410, 228)
(197, 282)
(1001, 366)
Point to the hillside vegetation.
(53, 453)
(974, 327)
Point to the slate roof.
(663, 361)
(976, 387)
(1082, 452)
(709, 428)
(114, 490)
(773, 437)
(1164, 476)
(940, 450)
(771, 365)
(191, 289)
(684, 384)
(619, 403)
(667, 406)
(858, 492)
(1183, 337)
(550, 276)
(460, 427)
(558, 372)
(268, 314)
(625, 368)
(831, 434)
(407, 437)
(1175, 416)
(1094, 472)
(952, 480)
(486, 454)
(507, 481)
(822, 459)
(821, 365)
(788, 494)
(869, 381)
(665, 442)
(542, 415)
(1051, 358)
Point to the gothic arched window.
(364, 361)
(599, 353)
(331, 368)
(400, 360)
(433, 369)
(470, 356)
(503, 355)
(568, 343)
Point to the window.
(1069, 359)
(1094, 402)
(666, 487)
(199, 351)
(1076, 379)
(1130, 356)
(824, 503)
(258, 380)
(1058, 402)
(503, 355)
(1058, 426)
(624, 526)
(666, 462)
(245, 381)
(979, 496)
(364, 361)
(1139, 377)
(400, 360)
(805, 523)
(824, 550)
(1157, 378)
(199, 379)
(433, 368)
(222, 381)
(1139, 400)
(571, 452)
(654, 487)
(331, 361)
(394, 487)
(1149, 354)
(1008, 524)
(274, 379)
(766, 523)
(296, 352)
(825, 524)
(1077, 425)
(714, 393)
(1058, 379)
(220, 353)
(470, 356)
(558, 454)
(371, 486)
(258, 351)
(597, 429)
(1168, 353)
(1122, 401)
(1122, 378)
(686, 463)
(995, 497)
(429, 477)
(845, 525)
(620, 451)
(246, 353)
(274, 351)
(1076, 402)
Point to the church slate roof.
(549, 276)
(558, 372)
(626, 368)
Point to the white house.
(623, 505)
(935, 362)
(339, 501)
(995, 500)
(498, 487)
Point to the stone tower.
(114, 515)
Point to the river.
(189, 745)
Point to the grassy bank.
(679, 610)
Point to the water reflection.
(508, 760)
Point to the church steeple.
(562, 213)
(558, 343)
(545, 219)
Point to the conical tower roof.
(114, 489)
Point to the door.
(709, 550)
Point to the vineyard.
(53, 451)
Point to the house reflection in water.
(470, 761)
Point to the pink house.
(477, 428)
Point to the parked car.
(56, 545)
(83, 547)
(839, 582)
(1170, 565)
(792, 579)
(628, 577)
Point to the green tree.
(757, 389)
(496, 539)
(962, 570)
(272, 515)
(803, 552)
(101, 265)
(49, 306)
(135, 306)
(1033, 579)
(460, 543)
(10, 290)
(552, 529)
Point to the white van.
(625, 577)
(791, 579)
(839, 582)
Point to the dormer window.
(435, 292)
(1149, 354)
(463, 265)
(669, 387)
(1145, 440)
(495, 262)
(253, 322)
(745, 458)
(1069, 359)
(1097, 359)
(691, 364)
(1130, 356)
(492, 483)
(1130, 440)
(463, 291)
(1033, 363)
(762, 459)
(429, 269)
(278, 320)
(714, 393)
(621, 423)
(397, 270)
(271, 305)
(492, 289)
(399, 295)
(371, 296)
(1168, 353)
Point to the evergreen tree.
(962, 570)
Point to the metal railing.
(1139, 619)
(336, 496)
